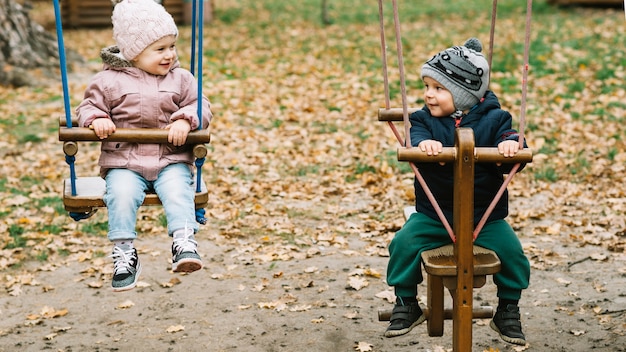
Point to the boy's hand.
(508, 148)
(431, 147)
(103, 127)
(179, 130)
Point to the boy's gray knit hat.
(462, 70)
(139, 23)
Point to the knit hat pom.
(474, 44)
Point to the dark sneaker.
(507, 324)
(126, 268)
(185, 258)
(404, 318)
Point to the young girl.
(456, 95)
(143, 86)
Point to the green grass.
(95, 228)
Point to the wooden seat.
(440, 265)
(90, 190)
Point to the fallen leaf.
(563, 281)
(577, 332)
(363, 346)
(175, 328)
(357, 283)
(351, 315)
(126, 304)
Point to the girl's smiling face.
(158, 57)
(438, 99)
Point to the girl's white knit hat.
(139, 23)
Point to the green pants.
(421, 233)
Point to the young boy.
(143, 86)
(456, 95)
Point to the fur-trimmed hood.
(113, 59)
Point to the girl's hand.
(179, 130)
(103, 127)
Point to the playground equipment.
(82, 196)
(461, 266)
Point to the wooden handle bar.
(139, 135)
(481, 155)
(393, 114)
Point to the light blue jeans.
(126, 190)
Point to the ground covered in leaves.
(306, 192)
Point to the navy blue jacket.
(491, 125)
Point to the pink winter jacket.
(133, 98)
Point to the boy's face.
(158, 57)
(438, 99)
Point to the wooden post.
(463, 228)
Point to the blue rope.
(199, 163)
(69, 159)
(193, 37)
(200, 15)
(66, 95)
(200, 218)
(199, 56)
(62, 63)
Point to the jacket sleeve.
(189, 104)
(420, 131)
(507, 133)
(94, 104)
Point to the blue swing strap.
(197, 24)
(197, 20)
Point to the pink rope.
(418, 176)
(383, 47)
(405, 109)
(521, 137)
(492, 31)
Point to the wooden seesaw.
(462, 266)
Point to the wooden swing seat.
(90, 190)
(442, 262)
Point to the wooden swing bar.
(145, 135)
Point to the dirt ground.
(326, 297)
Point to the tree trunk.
(24, 45)
(325, 15)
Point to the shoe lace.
(186, 242)
(122, 259)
